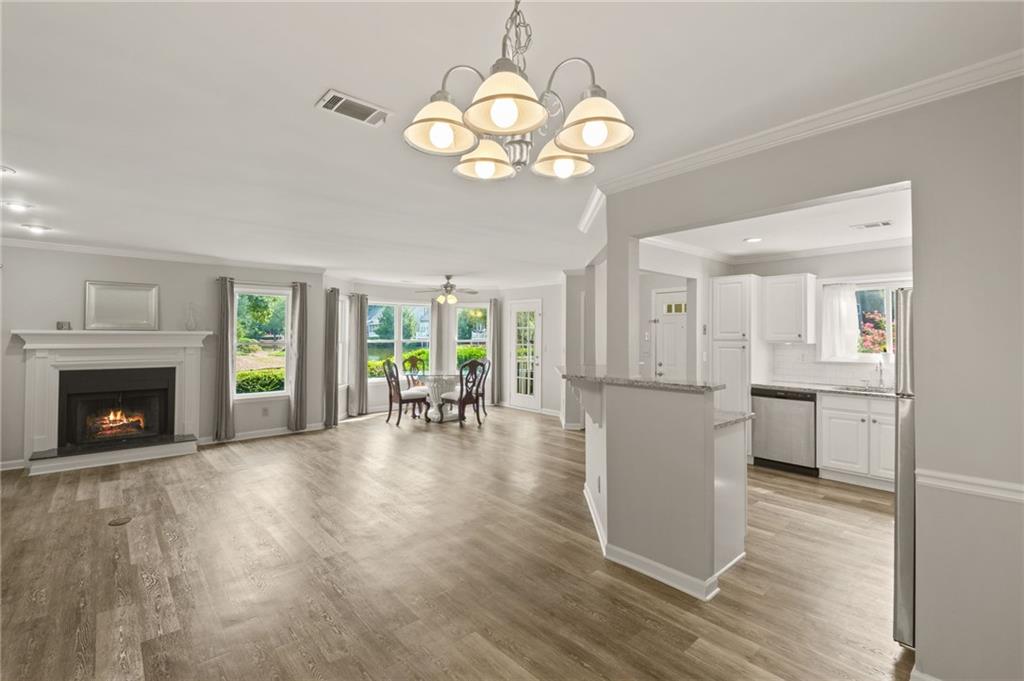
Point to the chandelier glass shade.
(487, 162)
(505, 104)
(556, 162)
(494, 137)
(595, 125)
(438, 129)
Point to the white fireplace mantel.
(47, 353)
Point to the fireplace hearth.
(107, 409)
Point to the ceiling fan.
(446, 291)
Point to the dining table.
(437, 384)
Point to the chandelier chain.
(518, 36)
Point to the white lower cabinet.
(844, 441)
(857, 439)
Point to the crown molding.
(988, 72)
(166, 256)
(717, 256)
(593, 208)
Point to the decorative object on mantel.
(494, 137)
(191, 324)
(63, 326)
(119, 306)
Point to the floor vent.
(356, 109)
(872, 225)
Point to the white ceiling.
(191, 128)
(822, 227)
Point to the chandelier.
(493, 138)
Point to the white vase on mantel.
(191, 324)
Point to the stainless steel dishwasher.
(783, 427)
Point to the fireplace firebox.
(114, 408)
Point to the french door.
(670, 335)
(526, 381)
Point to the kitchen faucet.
(879, 371)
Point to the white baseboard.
(12, 465)
(854, 479)
(572, 426)
(918, 675)
(551, 412)
(703, 589)
(80, 461)
(602, 536)
(268, 432)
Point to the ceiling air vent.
(872, 225)
(356, 109)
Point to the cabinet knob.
(874, 420)
(744, 335)
(799, 335)
(863, 420)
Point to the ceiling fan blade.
(429, 290)
(470, 291)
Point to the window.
(261, 341)
(858, 320)
(470, 334)
(386, 340)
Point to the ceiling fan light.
(452, 299)
(440, 299)
(438, 122)
(551, 162)
(595, 125)
(487, 162)
(505, 104)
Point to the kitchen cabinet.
(788, 308)
(730, 365)
(857, 439)
(730, 307)
(883, 446)
(844, 441)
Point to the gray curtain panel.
(225, 383)
(438, 347)
(358, 379)
(494, 348)
(332, 302)
(296, 359)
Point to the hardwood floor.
(426, 551)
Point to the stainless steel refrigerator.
(903, 601)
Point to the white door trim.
(510, 338)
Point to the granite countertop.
(830, 389)
(598, 373)
(729, 418)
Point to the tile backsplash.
(799, 364)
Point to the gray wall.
(963, 156)
(878, 261)
(41, 287)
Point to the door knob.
(863, 420)
(660, 364)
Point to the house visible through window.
(470, 334)
(261, 341)
(386, 339)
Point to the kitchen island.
(665, 476)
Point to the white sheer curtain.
(839, 322)
(438, 338)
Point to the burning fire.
(116, 422)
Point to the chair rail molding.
(967, 484)
(988, 72)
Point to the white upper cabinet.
(787, 311)
(730, 308)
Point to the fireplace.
(114, 408)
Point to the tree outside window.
(470, 334)
(384, 341)
(260, 342)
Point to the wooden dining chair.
(471, 373)
(481, 392)
(413, 367)
(414, 396)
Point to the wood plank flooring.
(420, 552)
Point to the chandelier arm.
(444, 80)
(561, 107)
(593, 76)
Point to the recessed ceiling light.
(38, 229)
(753, 240)
(16, 206)
(7, 170)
